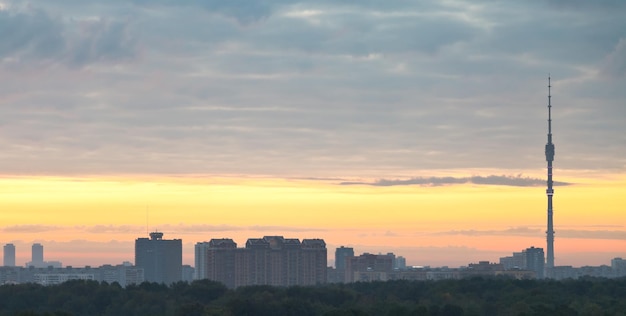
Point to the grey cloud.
(284, 228)
(34, 35)
(603, 5)
(591, 234)
(514, 231)
(518, 181)
(112, 229)
(33, 32)
(30, 228)
(245, 12)
(614, 66)
(102, 40)
(533, 232)
(359, 87)
(189, 228)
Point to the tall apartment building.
(9, 255)
(342, 254)
(271, 260)
(37, 256)
(161, 259)
(619, 267)
(535, 261)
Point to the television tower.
(549, 190)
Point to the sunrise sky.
(413, 127)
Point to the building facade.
(124, 274)
(529, 259)
(367, 265)
(271, 260)
(9, 255)
(535, 261)
(342, 254)
(160, 259)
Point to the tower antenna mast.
(550, 190)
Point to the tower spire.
(550, 190)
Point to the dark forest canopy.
(476, 296)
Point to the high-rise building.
(271, 260)
(200, 257)
(529, 259)
(313, 261)
(618, 265)
(161, 259)
(37, 255)
(37, 258)
(515, 262)
(9, 255)
(399, 263)
(219, 261)
(342, 254)
(535, 261)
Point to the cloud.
(34, 35)
(614, 65)
(102, 40)
(514, 231)
(534, 232)
(328, 89)
(518, 181)
(592, 234)
(111, 229)
(34, 228)
(245, 12)
(189, 228)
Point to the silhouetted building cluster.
(279, 261)
(271, 260)
(530, 259)
(36, 257)
(617, 269)
(123, 274)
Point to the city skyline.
(413, 128)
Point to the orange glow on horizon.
(494, 218)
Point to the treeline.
(476, 296)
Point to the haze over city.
(409, 127)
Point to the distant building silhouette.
(368, 267)
(271, 260)
(9, 255)
(399, 263)
(342, 254)
(123, 274)
(530, 259)
(619, 267)
(161, 259)
(37, 258)
(37, 255)
(535, 261)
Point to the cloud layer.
(309, 88)
(517, 181)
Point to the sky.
(413, 127)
